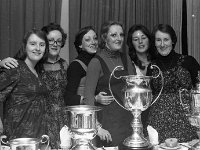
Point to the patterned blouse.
(167, 115)
(55, 77)
(24, 98)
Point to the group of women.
(86, 81)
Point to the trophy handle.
(117, 68)
(159, 74)
(3, 141)
(44, 139)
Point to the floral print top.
(55, 77)
(167, 115)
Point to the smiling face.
(163, 43)
(55, 43)
(89, 42)
(35, 49)
(115, 38)
(140, 41)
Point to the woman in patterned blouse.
(167, 115)
(22, 91)
(54, 74)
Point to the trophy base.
(123, 147)
(83, 145)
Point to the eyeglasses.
(52, 42)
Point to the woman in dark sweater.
(167, 115)
(86, 44)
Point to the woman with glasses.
(54, 74)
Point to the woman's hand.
(103, 99)
(104, 135)
(9, 63)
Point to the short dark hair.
(79, 37)
(166, 28)
(22, 54)
(132, 50)
(104, 31)
(54, 26)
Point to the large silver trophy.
(192, 109)
(83, 126)
(135, 95)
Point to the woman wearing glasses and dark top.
(54, 74)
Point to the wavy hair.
(165, 28)
(79, 37)
(132, 50)
(54, 26)
(104, 31)
(22, 54)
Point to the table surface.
(182, 146)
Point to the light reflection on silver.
(83, 125)
(192, 110)
(134, 95)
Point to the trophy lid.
(78, 108)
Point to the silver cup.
(83, 126)
(135, 96)
(27, 143)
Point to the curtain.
(193, 28)
(64, 22)
(19, 16)
(176, 22)
(95, 12)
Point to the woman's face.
(163, 43)
(140, 41)
(55, 42)
(35, 48)
(89, 42)
(115, 38)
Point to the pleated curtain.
(19, 16)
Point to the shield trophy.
(135, 95)
(192, 110)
